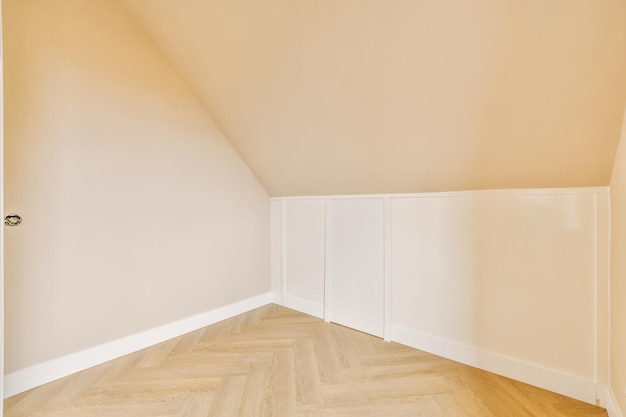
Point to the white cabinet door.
(356, 264)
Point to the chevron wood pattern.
(275, 362)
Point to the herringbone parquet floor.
(280, 363)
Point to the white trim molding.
(466, 193)
(276, 243)
(530, 373)
(387, 319)
(34, 376)
(610, 403)
(328, 253)
(303, 306)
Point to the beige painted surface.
(373, 96)
(137, 211)
(618, 274)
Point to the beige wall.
(383, 96)
(618, 273)
(137, 211)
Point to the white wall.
(137, 211)
(618, 277)
(304, 257)
(512, 281)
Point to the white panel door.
(356, 264)
(304, 254)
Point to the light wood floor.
(277, 362)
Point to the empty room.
(314, 208)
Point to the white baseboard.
(42, 373)
(611, 406)
(303, 306)
(533, 374)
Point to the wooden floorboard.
(276, 362)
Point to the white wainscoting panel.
(357, 264)
(304, 255)
(512, 281)
(276, 241)
(510, 274)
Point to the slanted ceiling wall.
(372, 96)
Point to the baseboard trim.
(303, 306)
(533, 374)
(34, 376)
(612, 408)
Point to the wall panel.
(511, 281)
(357, 264)
(304, 253)
(508, 274)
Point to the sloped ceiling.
(382, 96)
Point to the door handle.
(12, 220)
